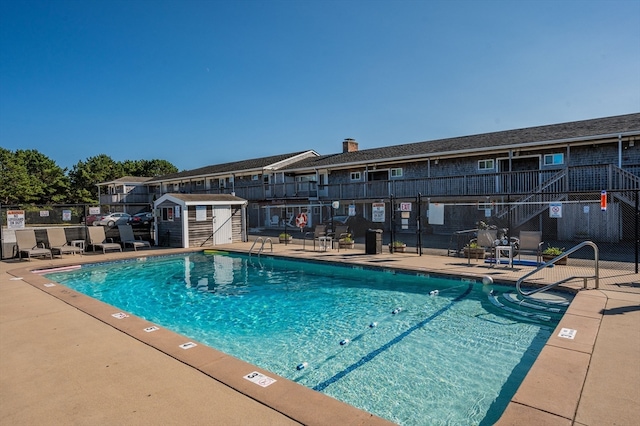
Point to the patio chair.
(58, 242)
(531, 242)
(487, 239)
(97, 238)
(320, 231)
(127, 238)
(340, 231)
(26, 244)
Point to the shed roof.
(189, 199)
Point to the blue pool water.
(445, 359)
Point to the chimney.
(349, 145)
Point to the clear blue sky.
(207, 82)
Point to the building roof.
(127, 179)
(254, 164)
(520, 138)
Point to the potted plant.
(551, 252)
(397, 246)
(285, 237)
(473, 250)
(346, 241)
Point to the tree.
(153, 168)
(15, 183)
(86, 174)
(47, 180)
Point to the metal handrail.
(261, 245)
(553, 261)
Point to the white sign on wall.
(377, 212)
(15, 219)
(555, 210)
(201, 213)
(436, 214)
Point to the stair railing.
(268, 240)
(596, 274)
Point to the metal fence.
(610, 219)
(73, 217)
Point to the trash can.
(373, 241)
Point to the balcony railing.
(587, 178)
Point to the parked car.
(143, 218)
(89, 219)
(358, 225)
(112, 219)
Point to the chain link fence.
(609, 219)
(73, 217)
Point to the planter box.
(397, 249)
(283, 240)
(474, 253)
(546, 258)
(344, 245)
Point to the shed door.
(221, 225)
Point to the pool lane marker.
(120, 315)
(49, 285)
(371, 355)
(188, 345)
(151, 329)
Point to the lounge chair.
(58, 242)
(127, 238)
(531, 242)
(27, 244)
(97, 238)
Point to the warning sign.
(377, 212)
(15, 219)
(260, 379)
(555, 210)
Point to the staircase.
(546, 307)
(530, 206)
(627, 183)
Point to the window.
(486, 165)
(167, 214)
(396, 172)
(176, 186)
(255, 177)
(222, 183)
(553, 159)
(356, 176)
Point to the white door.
(221, 225)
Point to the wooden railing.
(533, 182)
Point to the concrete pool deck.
(66, 359)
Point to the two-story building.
(510, 175)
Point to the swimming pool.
(446, 358)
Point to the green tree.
(47, 180)
(15, 184)
(148, 168)
(153, 168)
(85, 175)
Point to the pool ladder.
(268, 240)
